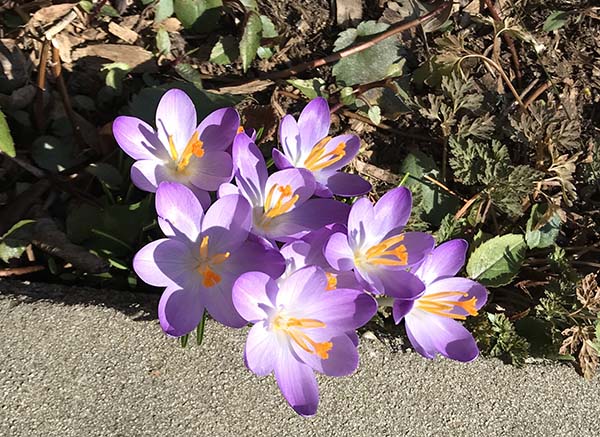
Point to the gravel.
(81, 362)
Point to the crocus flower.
(300, 327)
(179, 150)
(308, 251)
(282, 204)
(377, 248)
(306, 144)
(201, 258)
(432, 320)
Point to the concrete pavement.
(80, 362)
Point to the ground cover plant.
(131, 130)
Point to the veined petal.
(401, 308)
(219, 128)
(289, 137)
(445, 260)
(280, 160)
(219, 304)
(471, 289)
(227, 222)
(392, 211)
(314, 122)
(175, 117)
(227, 190)
(297, 383)
(210, 171)
(253, 256)
(342, 358)
(254, 295)
(418, 245)
(164, 262)
(180, 311)
(258, 353)
(251, 169)
(349, 143)
(148, 173)
(300, 181)
(430, 334)
(399, 283)
(338, 253)
(137, 138)
(360, 220)
(179, 209)
(301, 287)
(347, 184)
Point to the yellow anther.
(293, 328)
(318, 159)
(331, 281)
(437, 304)
(240, 129)
(210, 278)
(281, 204)
(385, 254)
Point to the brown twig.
(38, 109)
(17, 271)
(509, 42)
(444, 187)
(357, 48)
(534, 95)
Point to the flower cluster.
(279, 251)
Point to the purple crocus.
(179, 150)
(282, 204)
(300, 327)
(201, 258)
(306, 144)
(432, 319)
(377, 248)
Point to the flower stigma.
(436, 303)
(293, 328)
(318, 159)
(385, 253)
(210, 278)
(194, 147)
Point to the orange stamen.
(436, 303)
(331, 281)
(384, 254)
(209, 277)
(281, 205)
(240, 129)
(293, 328)
(318, 159)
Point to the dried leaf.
(138, 58)
(125, 34)
(50, 14)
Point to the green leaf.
(7, 144)
(347, 95)
(225, 51)
(189, 73)
(268, 28)
(311, 88)
(369, 65)
(497, 261)
(52, 154)
(106, 10)
(115, 73)
(164, 9)
(16, 240)
(163, 42)
(250, 39)
(555, 20)
(375, 114)
(200, 15)
(543, 226)
(264, 52)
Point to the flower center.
(210, 278)
(318, 159)
(293, 328)
(194, 147)
(285, 201)
(439, 304)
(388, 253)
(331, 281)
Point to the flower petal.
(280, 160)
(313, 123)
(431, 334)
(297, 383)
(338, 253)
(180, 311)
(254, 295)
(289, 137)
(179, 209)
(347, 184)
(148, 173)
(252, 256)
(164, 262)
(227, 222)
(300, 181)
(219, 128)
(342, 358)
(446, 260)
(418, 246)
(340, 309)
(401, 308)
(307, 282)
(210, 171)
(258, 352)
(399, 283)
(176, 117)
(251, 170)
(219, 304)
(227, 189)
(360, 221)
(392, 211)
(137, 138)
(351, 148)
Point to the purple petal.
(360, 221)
(147, 174)
(251, 169)
(471, 288)
(210, 171)
(342, 358)
(227, 189)
(399, 283)
(289, 137)
(401, 308)
(308, 283)
(348, 185)
(351, 148)
(340, 309)
(227, 223)
(219, 128)
(338, 253)
(254, 256)
(219, 304)
(295, 254)
(446, 260)
(179, 311)
(179, 210)
(392, 211)
(297, 383)
(137, 138)
(314, 122)
(254, 296)
(418, 245)
(176, 117)
(430, 334)
(280, 160)
(258, 353)
(301, 182)
(164, 262)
